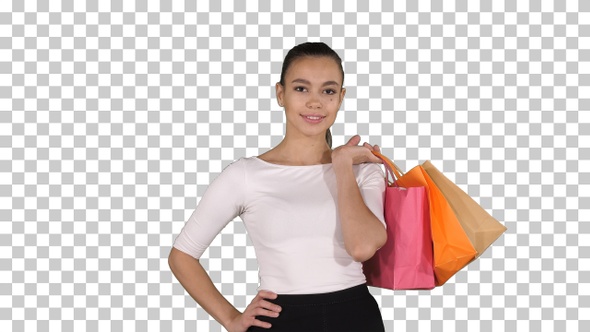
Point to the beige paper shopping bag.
(481, 228)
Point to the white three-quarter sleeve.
(372, 187)
(222, 202)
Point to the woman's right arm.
(222, 202)
(198, 284)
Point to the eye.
(330, 91)
(299, 89)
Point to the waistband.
(323, 298)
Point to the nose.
(314, 102)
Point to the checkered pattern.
(116, 115)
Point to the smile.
(313, 118)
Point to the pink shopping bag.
(406, 260)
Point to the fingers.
(262, 324)
(372, 157)
(270, 306)
(353, 141)
(263, 312)
(261, 307)
(375, 159)
(356, 139)
(372, 147)
(266, 294)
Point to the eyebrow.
(303, 81)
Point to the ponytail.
(329, 137)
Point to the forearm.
(363, 232)
(198, 284)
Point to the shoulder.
(370, 172)
(233, 171)
(370, 169)
(242, 166)
(232, 177)
(245, 163)
(240, 163)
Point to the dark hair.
(311, 49)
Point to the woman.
(314, 215)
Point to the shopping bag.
(452, 248)
(405, 261)
(481, 228)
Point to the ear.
(279, 91)
(342, 93)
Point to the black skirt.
(352, 309)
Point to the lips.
(312, 118)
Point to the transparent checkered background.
(116, 115)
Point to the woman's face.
(312, 95)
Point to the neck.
(303, 150)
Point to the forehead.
(314, 69)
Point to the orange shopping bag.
(452, 248)
(481, 228)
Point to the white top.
(290, 214)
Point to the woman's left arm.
(363, 232)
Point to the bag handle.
(391, 168)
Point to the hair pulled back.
(311, 49)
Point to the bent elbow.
(382, 239)
(176, 258)
(172, 260)
(362, 253)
